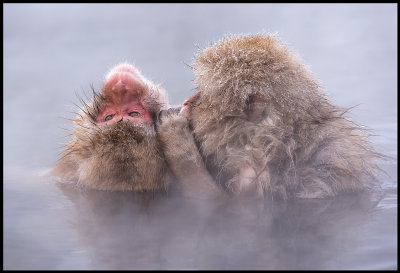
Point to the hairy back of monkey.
(262, 119)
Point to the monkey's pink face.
(124, 92)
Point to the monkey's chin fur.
(122, 156)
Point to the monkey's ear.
(192, 99)
(187, 104)
(255, 109)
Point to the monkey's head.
(115, 145)
(236, 73)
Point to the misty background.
(54, 52)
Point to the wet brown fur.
(122, 156)
(260, 107)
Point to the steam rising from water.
(57, 226)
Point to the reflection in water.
(49, 225)
(125, 230)
(117, 230)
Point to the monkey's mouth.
(124, 131)
(128, 156)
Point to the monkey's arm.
(183, 156)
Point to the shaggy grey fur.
(262, 109)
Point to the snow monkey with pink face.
(264, 127)
(114, 145)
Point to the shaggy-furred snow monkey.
(263, 127)
(114, 145)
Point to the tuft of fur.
(299, 144)
(122, 156)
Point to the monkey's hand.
(182, 155)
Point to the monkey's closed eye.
(109, 117)
(134, 114)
